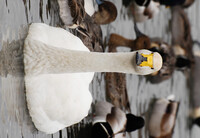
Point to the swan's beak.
(148, 62)
(144, 60)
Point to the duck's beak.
(83, 31)
(144, 60)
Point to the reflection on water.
(14, 119)
(11, 56)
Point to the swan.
(57, 93)
(110, 121)
(163, 116)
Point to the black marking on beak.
(140, 58)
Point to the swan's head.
(147, 62)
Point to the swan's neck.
(48, 59)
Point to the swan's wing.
(54, 36)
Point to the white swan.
(56, 97)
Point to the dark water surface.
(16, 15)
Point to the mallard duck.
(53, 61)
(183, 3)
(75, 12)
(143, 10)
(162, 119)
(72, 13)
(142, 41)
(110, 121)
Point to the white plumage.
(56, 101)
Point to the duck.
(74, 13)
(55, 61)
(142, 41)
(116, 91)
(182, 3)
(111, 121)
(162, 118)
(143, 10)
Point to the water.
(16, 15)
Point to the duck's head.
(147, 61)
(106, 13)
(134, 122)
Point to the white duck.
(110, 121)
(58, 97)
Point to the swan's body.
(54, 100)
(50, 56)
